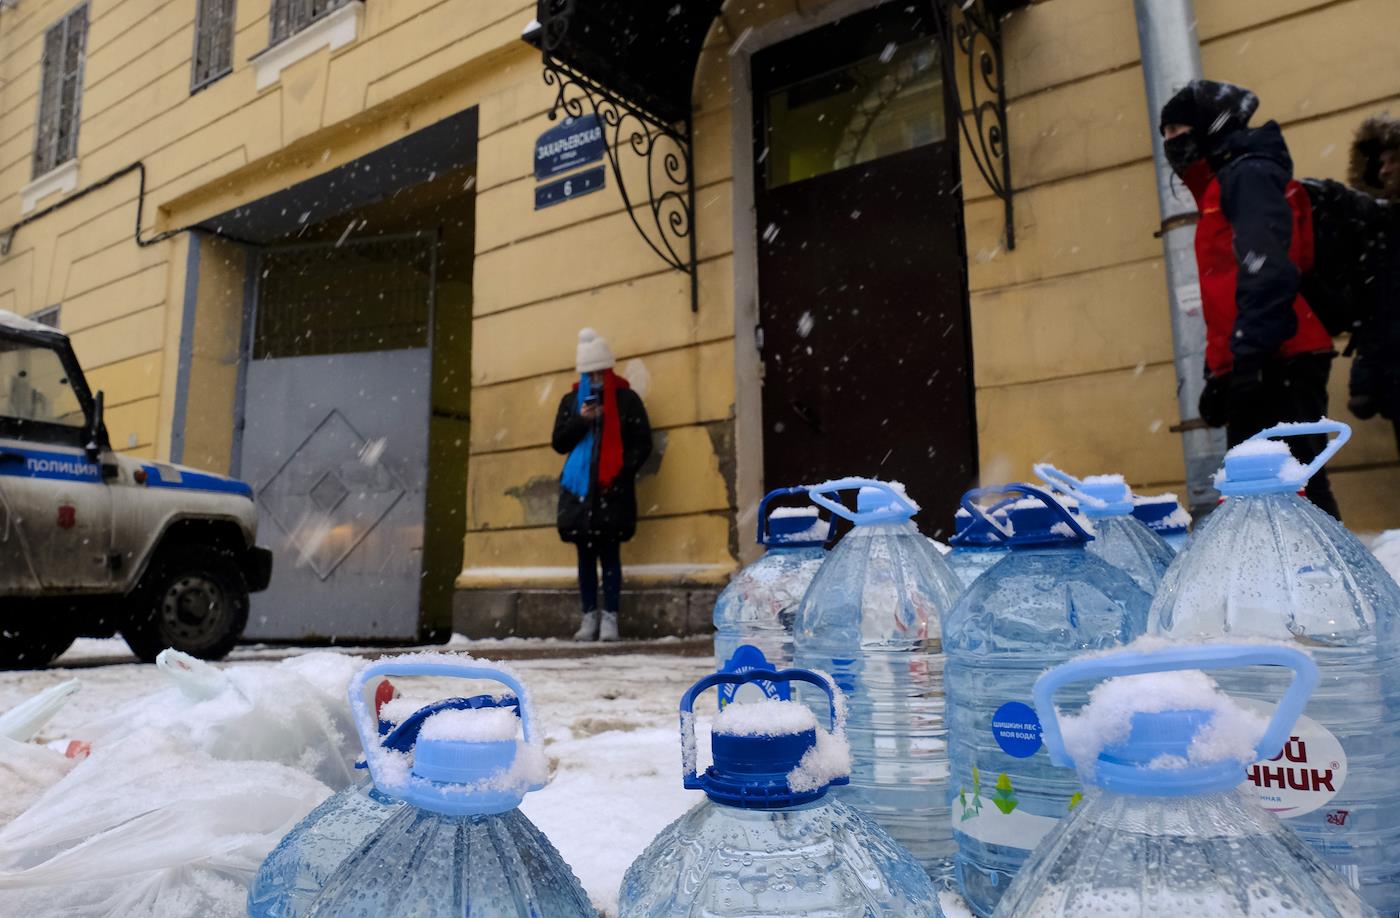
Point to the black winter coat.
(608, 515)
(1375, 373)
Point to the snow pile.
(1105, 480)
(826, 761)
(1387, 549)
(1232, 732)
(819, 530)
(1292, 469)
(483, 725)
(788, 513)
(769, 717)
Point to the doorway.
(864, 335)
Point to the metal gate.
(335, 436)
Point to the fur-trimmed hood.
(1381, 132)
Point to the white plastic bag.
(21, 722)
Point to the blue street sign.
(573, 143)
(585, 182)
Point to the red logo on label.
(67, 516)
(1338, 817)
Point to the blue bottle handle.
(838, 712)
(907, 507)
(1199, 656)
(996, 508)
(763, 508)
(1057, 479)
(969, 503)
(366, 725)
(1299, 429)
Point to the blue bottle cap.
(1134, 766)
(1264, 465)
(877, 501)
(1108, 496)
(1162, 513)
(790, 527)
(756, 766)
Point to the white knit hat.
(593, 352)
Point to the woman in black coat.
(602, 428)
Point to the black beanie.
(1210, 109)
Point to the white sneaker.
(588, 630)
(607, 630)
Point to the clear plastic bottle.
(1047, 601)
(769, 840)
(871, 619)
(758, 606)
(438, 834)
(1164, 515)
(1163, 828)
(1119, 537)
(293, 873)
(1269, 565)
(976, 544)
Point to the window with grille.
(213, 42)
(291, 16)
(61, 91)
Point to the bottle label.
(994, 816)
(1305, 775)
(746, 659)
(1016, 729)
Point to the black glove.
(1247, 409)
(1214, 401)
(1363, 406)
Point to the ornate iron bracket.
(976, 35)
(667, 221)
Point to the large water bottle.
(758, 606)
(769, 840)
(1269, 565)
(976, 543)
(1047, 601)
(871, 619)
(1163, 828)
(294, 872)
(1119, 538)
(444, 836)
(1164, 515)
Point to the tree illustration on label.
(975, 807)
(1004, 799)
(1074, 801)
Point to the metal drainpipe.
(1171, 57)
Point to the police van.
(92, 543)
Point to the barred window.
(61, 91)
(47, 316)
(213, 41)
(291, 16)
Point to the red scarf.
(610, 450)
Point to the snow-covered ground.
(610, 727)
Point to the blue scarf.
(577, 468)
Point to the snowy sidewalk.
(609, 721)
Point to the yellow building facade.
(307, 178)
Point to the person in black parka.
(602, 428)
(1375, 371)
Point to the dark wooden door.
(863, 303)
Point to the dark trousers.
(1294, 390)
(590, 554)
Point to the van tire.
(27, 648)
(192, 598)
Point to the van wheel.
(193, 598)
(31, 648)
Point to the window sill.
(59, 180)
(334, 30)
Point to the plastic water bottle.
(438, 833)
(1163, 828)
(976, 544)
(871, 619)
(294, 872)
(1119, 538)
(1164, 515)
(769, 840)
(757, 608)
(1047, 601)
(1269, 565)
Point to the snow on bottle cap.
(768, 754)
(791, 527)
(1265, 465)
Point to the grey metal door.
(335, 437)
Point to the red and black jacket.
(1254, 241)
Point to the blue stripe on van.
(16, 462)
(197, 481)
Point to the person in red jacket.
(1267, 355)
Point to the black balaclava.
(1213, 111)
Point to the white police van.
(92, 543)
